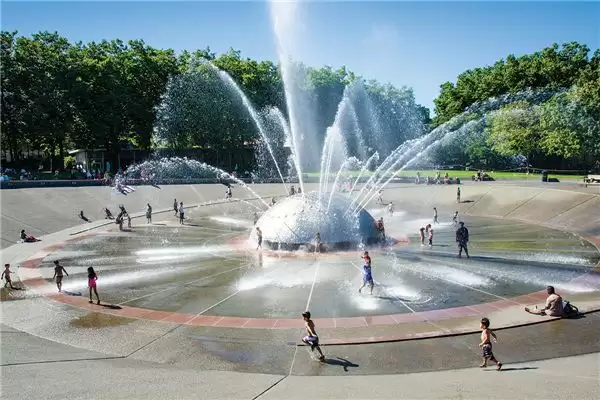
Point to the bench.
(591, 180)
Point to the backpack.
(569, 310)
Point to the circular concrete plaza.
(201, 294)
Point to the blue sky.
(417, 44)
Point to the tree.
(515, 130)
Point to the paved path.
(42, 373)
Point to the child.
(58, 274)
(435, 215)
(367, 276)
(255, 218)
(6, 276)
(458, 194)
(486, 344)
(422, 233)
(430, 237)
(92, 278)
(175, 207)
(391, 209)
(149, 213)
(380, 197)
(455, 218)
(258, 238)
(181, 213)
(318, 242)
(311, 338)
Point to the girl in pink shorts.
(92, 278)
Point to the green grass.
(466, 175)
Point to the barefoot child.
(486, 344)
(92, 278)
(311, 338)
(58, 274)
(6, 276)
(367, 276)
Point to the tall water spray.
(283, 15)
(231, 83)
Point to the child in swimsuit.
(58, 274)
(367, 276)
(422, 233)
(311, 339)
(6, 276)
(486, 344)
(92, 278)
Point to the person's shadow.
(345, 364)
(513, 369)
(111, 306)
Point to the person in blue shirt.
(367, 276)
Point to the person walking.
(58, 274)
(181, 213)
(486, 344)
(462, 238)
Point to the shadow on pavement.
(345, 364)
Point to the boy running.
(367, 276)
(486, 344)
(58, 274)
(311, 338)
(6, 276)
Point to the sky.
(414, 44)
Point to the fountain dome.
(294, 221)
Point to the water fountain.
(215, 271)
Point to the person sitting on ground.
(27, 238)
(83, 217)
(554, 305)
(108, 214)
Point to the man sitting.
(554, 305)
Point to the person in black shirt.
(462, 238)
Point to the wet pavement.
(208, 267)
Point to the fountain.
(209, 268)
(294, 223)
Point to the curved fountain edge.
(324, 324)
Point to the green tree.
(515, 129)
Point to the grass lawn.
(466, 175)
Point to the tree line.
(561, 131)
(57, 95)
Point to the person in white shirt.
(554, 305)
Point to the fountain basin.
(293, 223)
